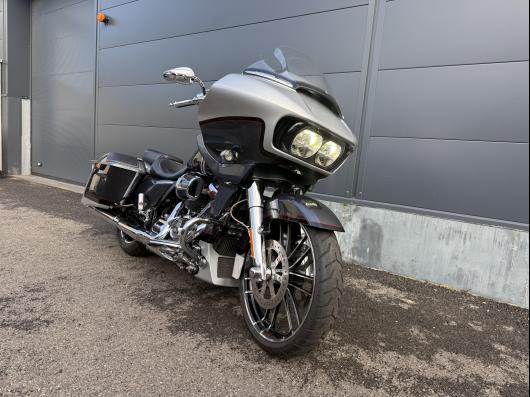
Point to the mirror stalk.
(201, 84)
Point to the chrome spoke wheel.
(278, 306)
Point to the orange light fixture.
(102, 17)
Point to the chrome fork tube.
(255, 206)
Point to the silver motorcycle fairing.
(237, 95)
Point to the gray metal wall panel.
(485, 179)
(448, 32)
(41, 7)
(71, 91)
(448, 129)
(67, 47)
(345, 87)
(11, 127)
(134, 140)
(193, 16)
(104, 4)
(61, 56)
(63, 125)
(17, 58)
(63, 72)
(215, 54)
(474, 102)
(341, 183)
(131, 92)
(2, 55)
(74, 21)
(147, 105)
(442, 105)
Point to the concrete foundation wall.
(486, 260)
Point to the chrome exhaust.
(183, 232)
(136, 234)
(156, 245)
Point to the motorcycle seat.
(166, 167)
(150, 155)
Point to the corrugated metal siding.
(63, 68)
(2, 56)
(16, 53)
(444, 122)
(448, 127)
(215, 39)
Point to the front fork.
(255, 206)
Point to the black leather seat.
(150, 155)
(165, 167)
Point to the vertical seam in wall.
(96, 90)
(363, 84)
(30, 77)
(5, 59)
(369, 100)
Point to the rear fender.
(303, 210)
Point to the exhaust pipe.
(184, 235)
(180, 247)
(175, 251)
(136, 234)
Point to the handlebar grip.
(182, 104)
(188, 102)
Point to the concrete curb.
(51, 183)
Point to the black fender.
(302, 209)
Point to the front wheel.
(292, 312)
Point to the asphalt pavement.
(80, 317)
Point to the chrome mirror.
(180, 75)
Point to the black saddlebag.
(114, 177)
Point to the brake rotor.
(269, 293)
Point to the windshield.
(291, 67)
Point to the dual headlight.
(308, 143)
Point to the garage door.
(63, 65)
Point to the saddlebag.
(114, 177)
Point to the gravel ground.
(80, 317)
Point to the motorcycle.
(237, 214)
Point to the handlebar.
(188, 102)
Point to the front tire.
(131, 246)
(318, 277)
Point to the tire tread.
(326, 299)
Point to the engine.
(189, 186)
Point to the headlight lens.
(306, 143)
(328, 154)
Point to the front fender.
(301, 209)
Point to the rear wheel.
(293, 311)
(131, 246)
